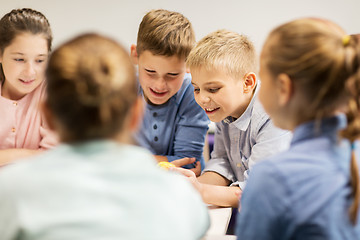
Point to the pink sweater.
(22, 124)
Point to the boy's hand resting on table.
(184, 161)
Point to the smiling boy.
(174, 126)
(223, 66)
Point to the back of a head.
(324, 65)
(312, 53)
(224, 50)
(165, 33)
(91, 88)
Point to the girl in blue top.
(310, 72)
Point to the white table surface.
(220, 237)
(219, 221)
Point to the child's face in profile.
(219, 94)
(160, 77)
(268, 92)
(24, 62)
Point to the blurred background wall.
(120, 19)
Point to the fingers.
(238, 193)
(197, 169)
(185, 172)
(183, 161)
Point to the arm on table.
(9, 155)
(223, 196)
(216, 191)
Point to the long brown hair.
(324, 64)
(20, 21)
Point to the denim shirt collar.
(327, 126)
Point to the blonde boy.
(223, 66)
(174, 126)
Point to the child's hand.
(165, 165)
(238, 195)
(184, 161)
(190, 175)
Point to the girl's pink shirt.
(22, 124)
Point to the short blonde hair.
(224, 50)
(165, 33)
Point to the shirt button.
(15, 104)
(154, 114)
(155, 126)
(238, 165)
(13, 129)
(156, 139)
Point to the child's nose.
(29, 70)
(203, 98)
(160, 84)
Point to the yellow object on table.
(166, 165)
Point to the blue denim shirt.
(239, 144)
(303, 193)
(177, 128)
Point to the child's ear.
(285, 88)
(49, 117)
(137, 114)
(133, 54)
(249, 82)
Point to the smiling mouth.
(158, 94)
(211, 110)
(26, 81)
